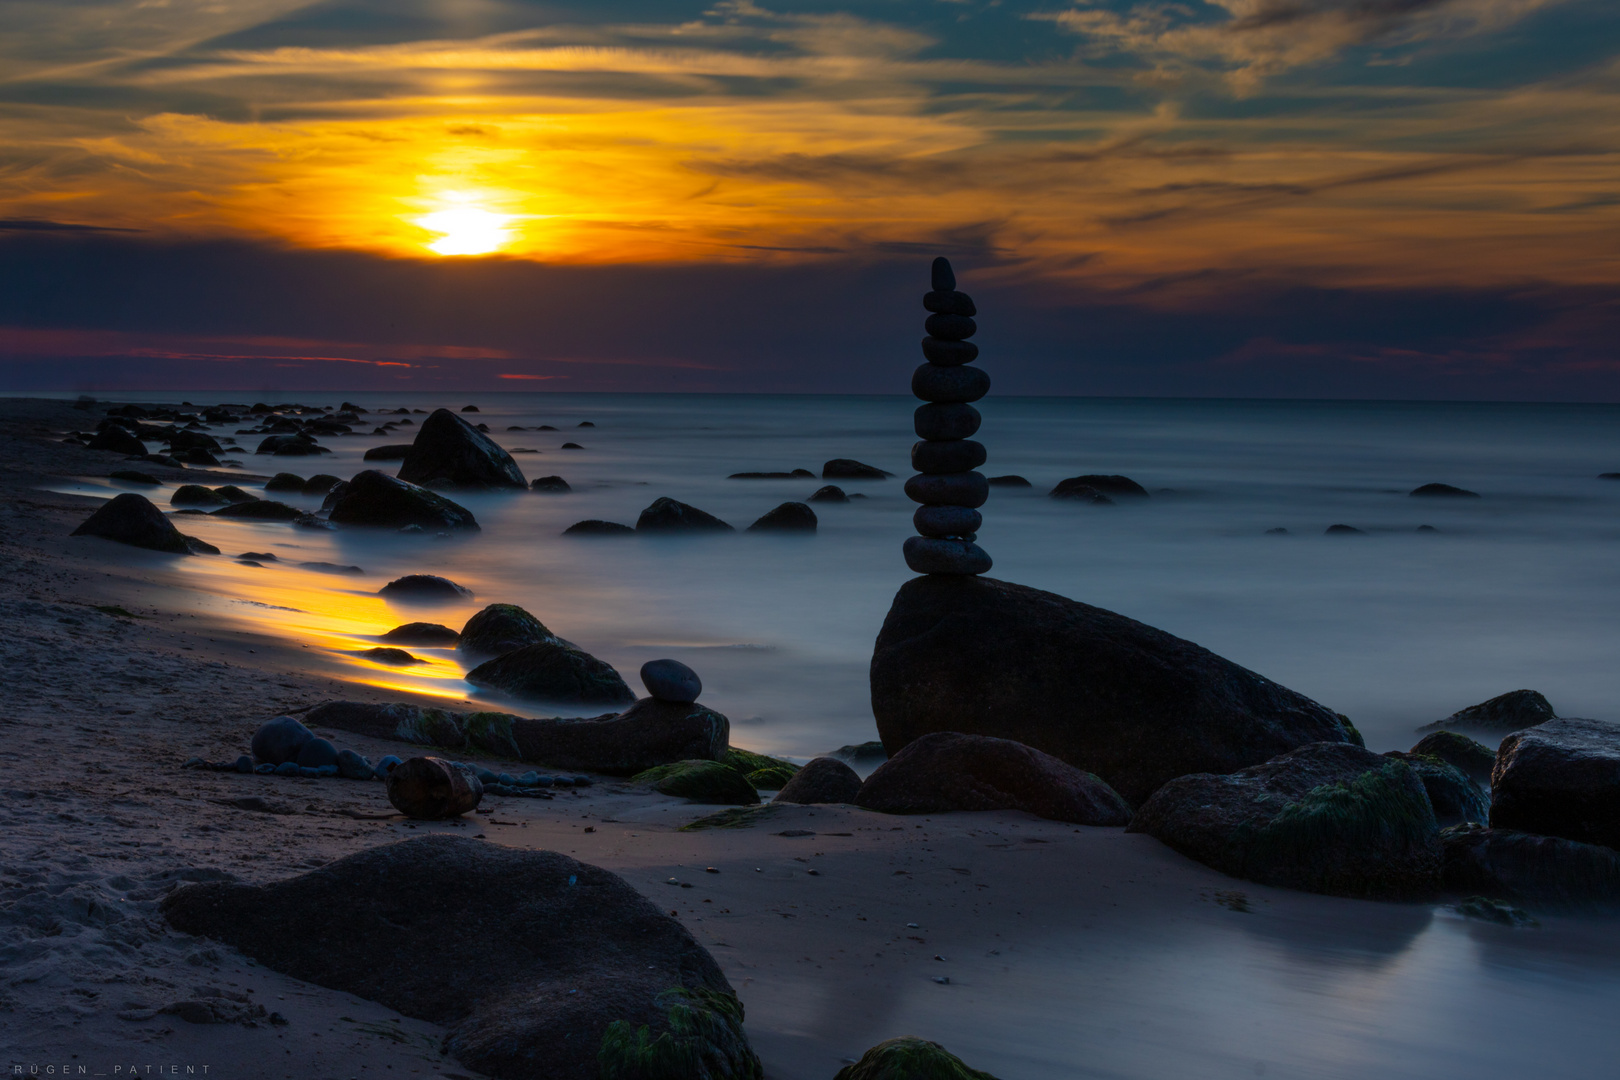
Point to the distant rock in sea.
(450, 452)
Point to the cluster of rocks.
(947, 485)
(671, 516)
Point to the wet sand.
(1068, 952)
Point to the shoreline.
(1070, 951)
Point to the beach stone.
(670, 515)
(396, 657)
(1512, 711)
(850, 469)
(424, 587)
(288, 444)
(1512, 865)
(557, 965)
(949, 385)
(597, 527)
(553, 671)
(130, 476)
(279, 740)
(321, 484)
(1107, 484)
(422, 633)
(930, 555)
(191, 439)
(377, 499)
(284, 481)
(390, 452)
(1107, 694)
(823, 780)
(385, 765)
(196, 495)
(432, 789)
(949, 353)
(830, 493)
(949, 302)
(1080, 493)
(316, 753)
(1476, 760)
(700, 781)
(969, 489)
(671, 680)
(942, 423)
(1443, 491)
(1560, 778)
(351, 765)
(233, 494)
(448, 450)
(760, 770)
(198, 456)
(960, 455)
(788, 517)
(286, 768)
(132, 519)
(910, 1058)
(259, 510)
(1455, 798)
(1009, 481)
(500, 629)
(942, 521)
(950, 327)
(118, 440)
(947, 771)
(1327, 818)
(551, 485)
(243, 764)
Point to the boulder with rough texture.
(1560, 778)
(850, 469)
(1327, 818)
(789, 517)
(554, 671)
(500, 629)
(910, 1058)
(422, 633)
(425, 587)
(375, 498)
(668, 515)
(823, 780)
(551, 969)
(1474, 759)
(700, 781)
(431, 789)
(132, 519)
(451, 452)
(1512, 711)
(1107, 694)
(948, 771)
(671, 680)
(1455, 798)
(1521, 866)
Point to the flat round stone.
(946, 520)
(950, 302)
(942, 422)
(949, 353)
(949, 385)
(926, 555)
(957, 455)
(969, 489)
(950, 327)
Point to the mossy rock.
(500, 629)
(491, 732)
(1350, 728)
(701, 782)
(1454, 796)
(1475, 759)
(738, 817)
(759, 770)
(910, 1058)
(704, 1040)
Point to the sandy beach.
(1030, 948)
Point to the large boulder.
(671, 515)
(375, 498)
(823, 780)
(1511, 865)
(500, 629)
(648, 733)
(554, 671)
(133, 519)
(1560, 778)
(948, 771)
(1327, 818)
(450, 452)
(546, 967)
(1512, 711)
(1107, 694)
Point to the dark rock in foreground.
(432, 789)
(448, 451)
(424, 587)
(670, 515)
(910, 1058)
(1521, 866)
(549, 966)
(375, 498)
(1512, 711)
(132, 519)
(422, 633)
(823, 780)
(1560, 778)
(597, 527)
(948, 771)
(500, 629)
(789, 517)
(1326, 818)
(554, 671)
(1443, 491)
(850, 469)
(1107, 694)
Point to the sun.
(466, 230)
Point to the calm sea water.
(1395, 628)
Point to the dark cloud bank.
(836, 324)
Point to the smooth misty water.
(1394, 628)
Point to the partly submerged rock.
(1443, 491)
(550, 485)
(1107, 694)
(850, 469)
(391, 656)
(132, 519)
(285, 481)
(450, 451)
(500, 629)
(788, 517)
(554, 671)
(552, 967)
(1454, 797)
(375, 498)
(947, 771)
(829, 493)
(597, 527)
(432, 789)
(1328, 818)
(391, 452)
(196, 495)
(425, 587)
(671, 515)
(1521, 866)
(1512, 711)
(421, 633)
(1560, 778)
(1077, 492)
(823, 780)
(910, 1058)
(259, 510)
(701, 782)
(1476, 760)
(1111, 485)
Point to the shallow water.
(1395, 627)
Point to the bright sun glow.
(466, 231)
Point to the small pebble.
(287, 768)
(711, 869)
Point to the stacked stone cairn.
(947, 483)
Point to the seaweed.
(700, 781)
(491, 732)
(704, 1040)
(738, 817)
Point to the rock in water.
(279, 740)
(425, 587)
(422, 633)
(118, 440)
(909, 1059)
(1560, 778)
(597, 527)
(551, 485)
(850, 469)
(132, 519)
(284, 481)
(196, 495)
(1512, 711)
(375, 498)
(553, 671)
(700, 782)
(1107, 694)
(432, 789)
(671, 680)
(450, 451)
(830, 493)
(500, 629)
(949, 771)
(1327, 818)
(560, 970)
(823, 780)
(1455, 798)
(670, 515)
(1474, 759)
(1107, 484)
(259, 510)
(789, 517)
(391, 452)
(1443, 491)
(1520, 866)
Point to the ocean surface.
(1394, 627)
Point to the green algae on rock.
(759, 770)
(700, 781)
(738, 817)
(704, 1040)
(910, 1058)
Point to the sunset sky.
(1348, 198)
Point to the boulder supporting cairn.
(947, 485)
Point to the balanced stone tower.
(947, 483)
